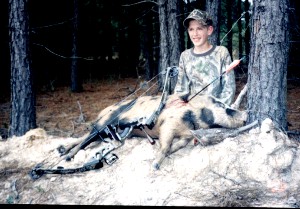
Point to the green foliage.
(40, 189)
(10, 199)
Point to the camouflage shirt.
(198, 70)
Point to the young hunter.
(204, 62)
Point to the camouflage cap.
(200, 16)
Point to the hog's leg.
(64, 149)
(88, 138)
(167, 148)
(181, 143)
(165, 138)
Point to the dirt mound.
(258, 168)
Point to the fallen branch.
(6, 171)
(240, 98)
(215, 135)
(225, 177)
(294, 135)
(81, 118)
(14, 189)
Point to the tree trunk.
(229, 25)
(23, 112)
(247, 28)
(213, 8)
(129, 44)
(163, 28)
(239, 12)
(173, 38)
(188, 8)
(267, 82)
(76, 85)
(146, 46)
(181, 10)
(169, 38)
(173, 35)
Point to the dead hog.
(174, 122)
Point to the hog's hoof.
(61, 150)
(156, 166)
(68, 158)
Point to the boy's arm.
(182, 85)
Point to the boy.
(201, 64)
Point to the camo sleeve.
(182, 85)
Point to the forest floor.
(60, 112)
(64, 115)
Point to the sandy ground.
(258, 169)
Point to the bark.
(146, 47)
(187, 9)
(267, 82)
(247, 30)
(163, 28)
(173, 35)
(213, 7)
(23, 112)
(169, 38)
(229, 25)
(239, 12)
(181, 10)
(173, 38)
(76, 85)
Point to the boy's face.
(198, 33)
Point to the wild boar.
(172, 126)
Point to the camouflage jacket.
(198, 70)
